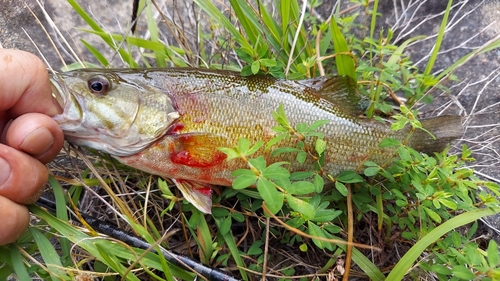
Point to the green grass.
(424, 198)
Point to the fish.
(171, 122)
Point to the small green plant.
(416, 203)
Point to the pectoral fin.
(197, 150)
(198, 194)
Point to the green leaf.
(349, 177)
(440, 269)
(400, 124)
(276, 139)
(259, 163)
(315, 230)
(401, 203)
(273, 198)
(255, 249)
(371, 171)
(325, 215)
(345, 63)
(387, 142)
(493, 254)
(244, 181)
(462, 272)
(300, 206)
(341, 188)
(448, 203)
(301, 187)
(225, 225)
(303, 247)
(219, 212)
(320, 146)
(243, 145)
(301, 175)
(254, 148)
(284, 150)
(268, 62)
(301, 157)
(316, 125)
(433, 215)
(276, 171)
(241, 172)
(255, 67)
(404, 264)
(319, 183)
(231, 153)
(238, 217)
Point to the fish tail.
(444, 128)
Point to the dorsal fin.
(341, 91)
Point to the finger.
(14, 218)
(22, 177)
(36, 134)
(24, 85)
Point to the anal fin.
(198, 194)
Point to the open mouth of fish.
(57, 92)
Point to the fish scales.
(238, 107)
(171, 122)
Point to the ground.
(475, 95)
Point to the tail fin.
(445, 128)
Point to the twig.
(350, 233)
(301, 233)
(295, 38)
(266, 249)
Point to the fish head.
(112, 111)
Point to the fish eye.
(99, 84)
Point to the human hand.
(29, 138)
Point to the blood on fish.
(190, 152)
(204, 189)
(175, 128)
(184, 157)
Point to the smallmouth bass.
(171, 121)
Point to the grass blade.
(233, 249)
(18, 264)
(154, 33)
(95, 26)
(345, 63)
(439, 40)
(61, 211)
(215, 13)
(49, 255)
(412, 255)
(119, 250)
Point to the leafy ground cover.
(409, 213)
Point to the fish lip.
(57, 92)
(72, 110)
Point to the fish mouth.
(72, 110)
(57, 92)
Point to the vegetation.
(291, 226)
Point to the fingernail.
(38, 141)
(4, 171)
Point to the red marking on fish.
(185, 158)
(202, 188)
(189, 152)
(175, 128)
